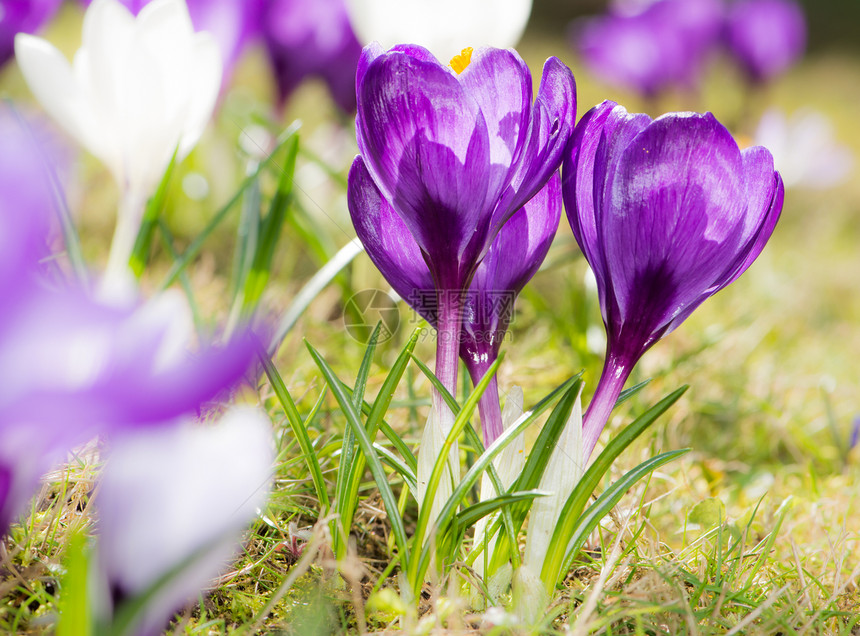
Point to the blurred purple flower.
(663, 45)
(178, 496)
(312, 37)
(855, 433)
(514, 257)
(71, 368)
(22, 16)
(667, 212)
(765, 36)
(233, 23)
(455, 155)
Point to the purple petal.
(514, 257)
(681, 180)
(25, 205)
(765, 195)
(598, 141)
(387, 240)
(506, 112)
(425, 143)
(552, 123)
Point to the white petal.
(166, 494)
(49, 76)
(445, 27)
(204, 85)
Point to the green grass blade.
(576, 502)
(345, 499)
(196, 245)
(299, 430)
(247, 236)
(312, 288)
(535, 465)
(475, 441)
(554, 569)
(270, 230)
(626, 394)
(74, 606)
(398, 465)
(352, 418)
(374, 419)
(468, 516)
(419, 566)
(450, 400)
(154, 207)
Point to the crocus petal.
(552, 123)
(681, 179)
(139, 87)
(165, 497)
(22, 17)
(513, 259)
(584, 180)
(387, 240)
(506, 112)
(50, 78)
(425, 142)
(445, 27)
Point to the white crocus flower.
(804, 149)
(139, 89)
(445, 27)
(564, 469)
(180, 495)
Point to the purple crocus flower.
(662, 46)
(70, 367)
(22, 16)
(312, 37)
(765, 36)
(233, 23)
(456, 154)
(514, 257)
(667, 212)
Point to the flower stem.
(615, 374)
(447, 353)
(488, 406)
(128, 219)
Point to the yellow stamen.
(460, 62)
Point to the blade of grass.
(569, 519)
(270, 230)
(194, 248)
(344, 505)
(154, 207)
(370, 455)
(374, 419)
(247, 235)
(299, 430)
